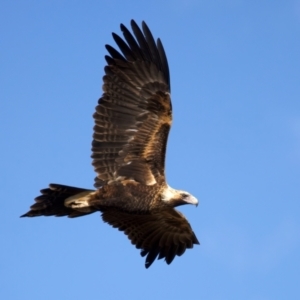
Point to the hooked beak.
(191, 200)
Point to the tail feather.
(52, 202)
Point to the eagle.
(132, 122)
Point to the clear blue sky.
(235, 145)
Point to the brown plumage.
(132, 122)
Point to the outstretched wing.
(164, 233)
(134, 114)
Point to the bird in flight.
(132, 122)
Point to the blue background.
(234, 144)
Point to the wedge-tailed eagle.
(132, 122)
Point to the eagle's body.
(132, 122)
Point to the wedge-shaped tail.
(53, 201)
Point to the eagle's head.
(178, 197)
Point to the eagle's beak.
(191, 200)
